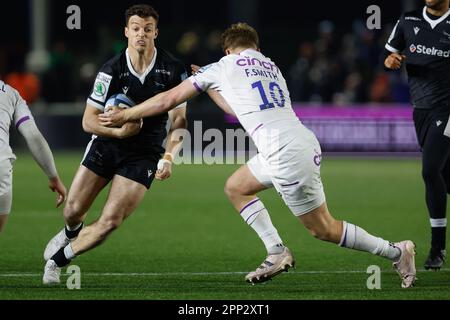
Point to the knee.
(430, 173)
(231, 188)
(72, 210)
(234, 187)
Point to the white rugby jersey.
(13, 110)
(255, 89)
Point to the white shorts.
(294, 172)
(5, 186)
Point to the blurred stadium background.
(328, 56)
(175, 246)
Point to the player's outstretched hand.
(194, 68)
(55, 184)
(394, 61)
(164, 170)
(114, 118)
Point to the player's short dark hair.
(240, 35)
(141, 10)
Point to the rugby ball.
(119, 100)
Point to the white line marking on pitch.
(158, 274)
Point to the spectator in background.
(26, 83)
(58, 81)
(300, 83)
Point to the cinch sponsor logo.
(244, 62)
(429, 51)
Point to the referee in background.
(421, 40)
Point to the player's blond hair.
(240, 35)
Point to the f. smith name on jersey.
(261, 73)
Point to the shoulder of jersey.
(118, 59)
(9, 90)
(230, 57)
(415, 15)
(167, 56)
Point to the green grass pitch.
(185, 241)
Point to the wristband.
(162, 162)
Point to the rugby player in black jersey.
(421, 40)
(127, 157)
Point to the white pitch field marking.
(159, 274)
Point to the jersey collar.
(434, 23)
(247, 51)
(141, 77)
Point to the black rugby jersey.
(118, 76)
(426, 44)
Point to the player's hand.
(55, 184)
(394, 61)
(130, 129)
(114, 118)
(164, 170)
(194, 68)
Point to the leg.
(5, 209)
(5, 192)
(125, 195)
(123, 198)
(299, 183)
(241, 189)
(3, 221)
(324, 227)
(435, 173)
(446, 175)
(85, 187)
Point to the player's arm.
(220, 101)
(161, 103)
(174, 141)
(92, 125)
(215, 96)
(394, 47)
(42, 155)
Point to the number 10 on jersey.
(276, 94)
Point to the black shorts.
(430, 122)
(106, 159)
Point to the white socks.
(353, 237)
(257, 217)
(73, 228)
(68, 252)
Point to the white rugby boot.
(272, 266)
(57, 242)
(51, 273)
(405, 266)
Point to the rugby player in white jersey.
(14, 111)
(250, 85)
